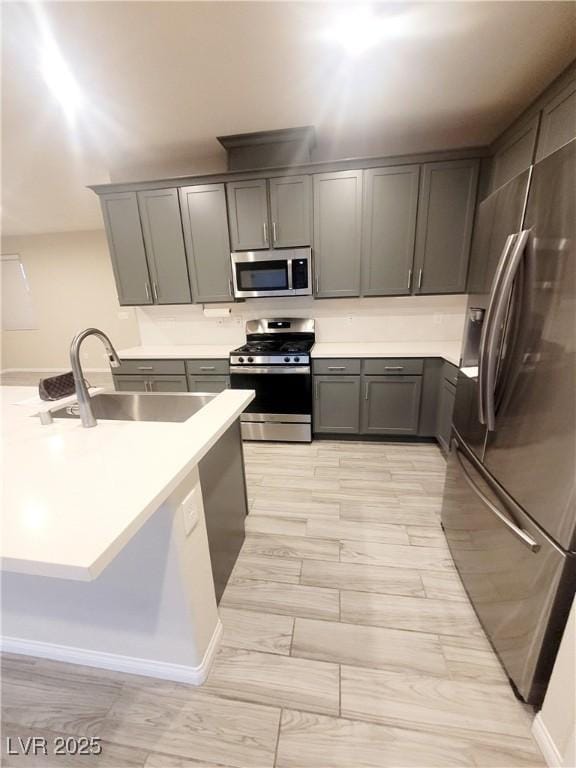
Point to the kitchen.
(313, 501)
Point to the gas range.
(282, 407)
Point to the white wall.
(72, 288)
(407, 318)
(555, 725)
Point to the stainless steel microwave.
(286, 272)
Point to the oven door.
(261, 274)
(283, 393)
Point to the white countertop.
(178, 352)
(73, 497)
(449, 350)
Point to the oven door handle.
(263, 369)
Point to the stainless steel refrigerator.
(509, 507)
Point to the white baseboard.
(545, 742)
(162, 670)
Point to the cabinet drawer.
(398, 366)
(450, 373)
(337, 366)
(147, 367)
(208, 367)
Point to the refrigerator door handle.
(482, 352)
(497, 320)
(524, 536)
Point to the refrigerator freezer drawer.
(511, 572)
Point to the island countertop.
(73, 497)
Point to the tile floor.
(348, 640)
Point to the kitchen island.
(104, 548)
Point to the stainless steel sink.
(135, 406)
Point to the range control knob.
(250, 359)
(296, 359)
(240, 359)
(286, 359)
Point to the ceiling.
(158, 81)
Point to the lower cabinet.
(208, 383)
(337, 404)
(143, 383)
(390, 405)
(446, 401)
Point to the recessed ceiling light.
(359, 29)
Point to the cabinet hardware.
(409, 278)
(317, 285)
(366, 391)
(145, 367)
(394, 367)
(155, 291)
(147, 291)
(419, 278)
(274, 235)
(265, 228)
(230, 290)
(316, 389)
(207, 367)
(336, 367)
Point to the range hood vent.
(266, 149)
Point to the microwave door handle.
(501, 305)
(510, 240)
(289, 270)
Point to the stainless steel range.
(275, 362)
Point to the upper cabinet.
(207, 244)
(126, 244)
(248, 212)
(558, 121)
(291, 211)
(164, 242)
(337, 233)
(444, 229)
(389, 229)
(515, 154)
(283, 223)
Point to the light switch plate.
(191, 510)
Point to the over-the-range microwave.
(286, 272)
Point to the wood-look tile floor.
(348, 639)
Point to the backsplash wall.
(402, 318)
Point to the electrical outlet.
(191, 510)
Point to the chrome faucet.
(82, 394)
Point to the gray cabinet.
(516, 153)
(291, 211)
(389, 229)
(337, 233)
(164, 243)
(444, 227)
(558, 124)
(391, 405)
(248, 215)
(445, 410)
(337, 404)
(208, 383)
(126, 244)
(150, 383)
(205, 224)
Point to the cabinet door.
(389, 229)
(126, 244)
(162, 228)
(208, 383)
(337, 233)
(391, 405)
(167, 384)
(558, 122)
(291, 211)
(337, 404)
(444, 229)
(130, 383)
(445, 410)
(207, 243)
(248, 214)
(516, 153)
